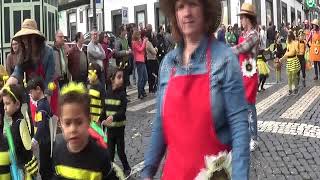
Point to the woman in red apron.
(247, 50)
(200, 91)
(36, 59)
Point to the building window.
(141, 18)
(269, 12)
(6, 17)
(141, 14)
(284, 13)
(16, 21)
(293, 16)
(37, 15)
(81, 16)
(299, 17)
(51, 26)
(26, 14)
(72, 25)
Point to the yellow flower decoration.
(217, 167)
(73, 87)
(52, 86)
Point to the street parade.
(196, 98)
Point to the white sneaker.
(253, 145)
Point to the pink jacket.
(139, 51)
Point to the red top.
(250, 82)
(139, 50)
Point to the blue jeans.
(142, 77)
(253, 123)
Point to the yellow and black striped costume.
(91, 163)
(22, 142)
(116, 106)
(293, 64)
(4, 159)
(97, 96)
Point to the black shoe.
(140, 97)
(263, 89)
(144, 95)
(315, 78)
(127, 172)
(290, 93)
(295, 92)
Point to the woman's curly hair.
(212, 12)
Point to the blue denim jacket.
(48, 64)
(227, 102)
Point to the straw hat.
(247, 9)
(29, 27)
(315, 22)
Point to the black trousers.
(153, 70)
(116, 140)
(262, 80)
(46, 168)
(302, 65)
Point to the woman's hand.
(11, 81)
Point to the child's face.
(118, 80)
(75, 124)
(10, 107)
(36, 93)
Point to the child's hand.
(34, 143)
(108, 121)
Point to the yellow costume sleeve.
(25, 134)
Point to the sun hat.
(315, 22)
(29, 27)
(247, 9)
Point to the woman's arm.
(237, 116)
(139, 47)
(246, 45)
(151, 49)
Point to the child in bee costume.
(27, 163)
(263, 70)
(4, 159)
(293, 64)
(115, 111)
(96, 92)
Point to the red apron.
(250, 83)
(54, 98)
(189, 129)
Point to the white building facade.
(77, 16)
(274, 11)
(137, 11)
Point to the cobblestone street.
(288, 126)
